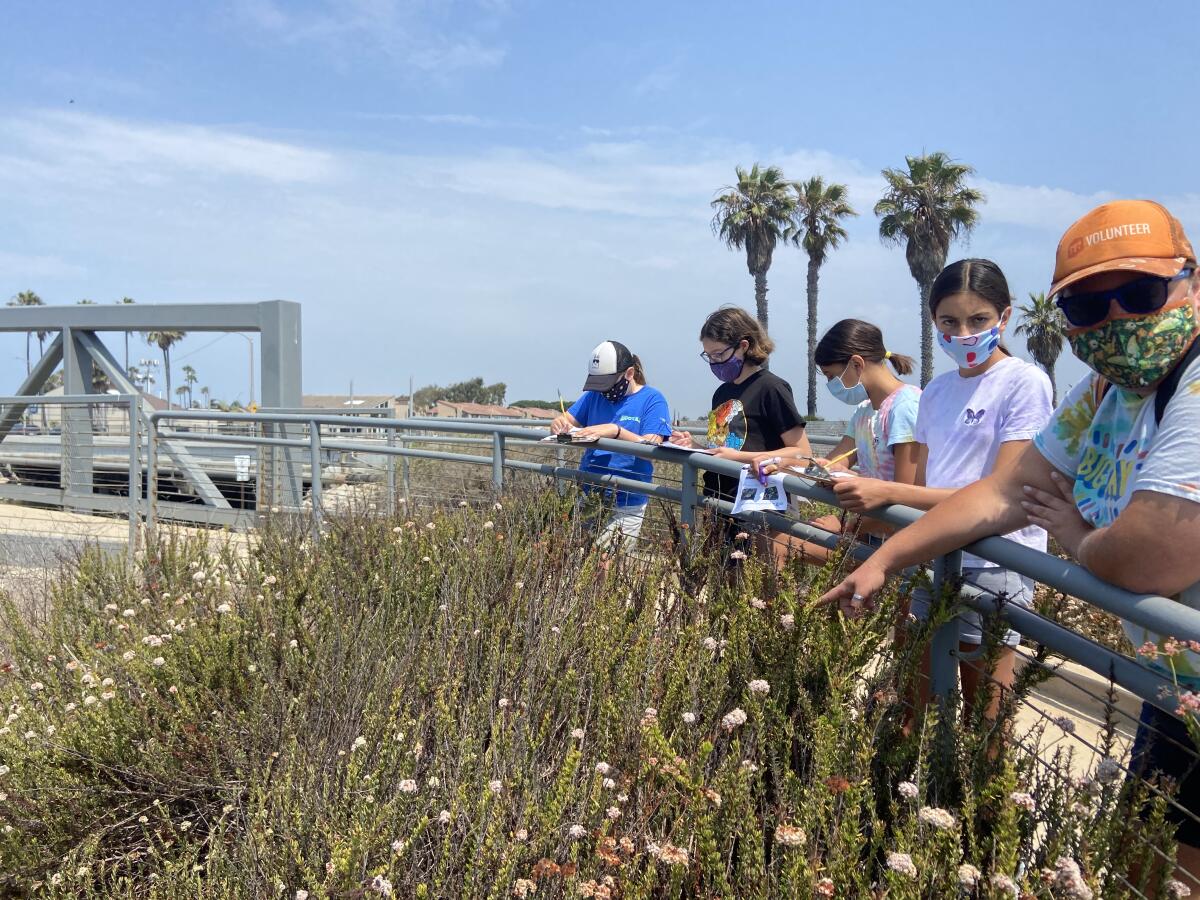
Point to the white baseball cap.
(608, 363)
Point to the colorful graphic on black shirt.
(727, 425)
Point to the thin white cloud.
(403, 31)
(489, 249)
(77, 146)
(22, 268)
(452, 119)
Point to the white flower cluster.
(733, 719)
(1068, 880)
(935, 817)
(902, 864)
(1023, 800)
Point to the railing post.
(943, 648)
(391, 472)
(314, 462)
(406, 472)
(151, 476)
(135, 473)
(560, 460)
(497, 461)
(689, 499)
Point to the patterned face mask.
(1136, 352)
(617, 392)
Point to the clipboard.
(668, 445)
(568, 437)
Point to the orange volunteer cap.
(1133, 235)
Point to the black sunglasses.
(724, 354)
(1139, 297)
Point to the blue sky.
(490, 188)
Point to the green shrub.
(473, 703)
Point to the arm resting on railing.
(987, 507)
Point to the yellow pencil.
(840, 457)
(560, 403)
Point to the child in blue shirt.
(617, 404)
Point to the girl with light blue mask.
(878, 442)
(975, 419)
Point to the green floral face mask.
(1137, 352)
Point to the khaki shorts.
(620, 526)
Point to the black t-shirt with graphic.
(751, 416)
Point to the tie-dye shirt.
(876, 431)
(1114, 449)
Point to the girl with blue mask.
(979, 417)
(878, 441)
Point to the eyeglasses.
(1138, 297)
(723, 354)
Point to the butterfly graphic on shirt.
(973, 418)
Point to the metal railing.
(78, 453)
(311, 464)
(302, 434)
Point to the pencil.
(840, 457)
(560, 402)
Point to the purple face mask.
(729, 370)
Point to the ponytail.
(854, 337)
(639, 374)
(901, 363)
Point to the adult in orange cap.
(1116, 470)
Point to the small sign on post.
(243, 467)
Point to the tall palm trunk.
(167, 372)
(1053, 386)
(28, 363)
(760, 297)
(926, 335)
(760, 303)
(814, 270)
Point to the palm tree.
(124, 301)
(927, 208)
(28, 298)
(1045, 332)
(207, 395)
(181, 392)
(189, 377)
(818, 229)
(163, 340)
(754, 215)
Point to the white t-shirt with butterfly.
(963, 422)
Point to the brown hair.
(639, 374)
(854, 337)
(731, 325)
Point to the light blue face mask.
(850, 395)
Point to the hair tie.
(887, 354)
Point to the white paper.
(754, 496)
(672, 446)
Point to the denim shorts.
(1014, 587)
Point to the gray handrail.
(1161, 614)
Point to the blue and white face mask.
(851, 395)
(973, 350)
